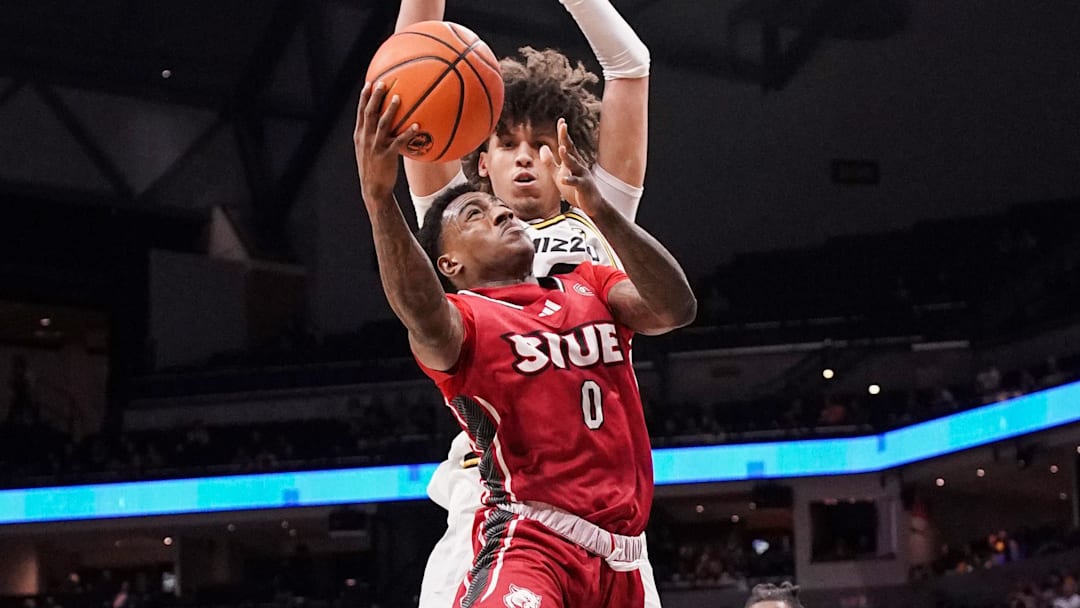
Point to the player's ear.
(448, 265)
(481, 164)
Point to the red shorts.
(520, 563)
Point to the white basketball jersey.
(567, 240)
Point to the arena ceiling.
(201, 103)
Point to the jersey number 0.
(592, 407)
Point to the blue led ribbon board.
(733, 462)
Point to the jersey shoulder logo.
(583, 290)
(520, 597)
(550, 308)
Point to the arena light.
(705, 464)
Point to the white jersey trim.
(466, 292)
(497, 445)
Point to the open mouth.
(524, 179)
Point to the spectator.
(1067, 596)
(987, 383)
(1053, 376)
(833, 414)
(23, 412)
(122, 599)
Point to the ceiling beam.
(339, 95)
(87, 142)
(153, 191)
(166, 95)
(244, 108)
(267, 55)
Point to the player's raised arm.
(425, 179)
(415, 11)
(657, 298)
(409, 280)
(624, 109)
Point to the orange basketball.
(449, 83)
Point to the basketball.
(449, 83)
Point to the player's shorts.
(522, 563)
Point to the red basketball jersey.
(545, 388)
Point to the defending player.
(567, 469)
(541, 86)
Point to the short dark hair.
(541, 87)
(768, 592)
(430, 233)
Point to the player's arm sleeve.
(448, 381)
(622, 196)
(421, 203)
(601, 278)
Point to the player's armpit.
(438, 345)
(633, 311)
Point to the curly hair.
(766, 592)
(541, 87)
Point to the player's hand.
(558, 172)
(574, 174)
(376, 149)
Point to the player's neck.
(539, 212)
(529, 278)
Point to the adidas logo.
(550, 308)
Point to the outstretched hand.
(376, 148)
(573, 175)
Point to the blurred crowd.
(398, 429)
(999, 549)
(1056, 590)
(821, 413)
(706, 556)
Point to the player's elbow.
(675, 316)
(685, 314)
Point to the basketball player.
(538, 372)
(541, 86)
(768, 595)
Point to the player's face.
(483, 242)
(518, 177)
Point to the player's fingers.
(374, 104)
(571, 161)
(564, 136)
(573, 180)
(401, 141)
(361, 106)
(385, 121)
(548, 157)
